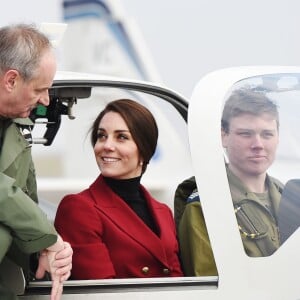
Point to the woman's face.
(116, 152)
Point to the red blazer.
(110, 241)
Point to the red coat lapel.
(114, 208)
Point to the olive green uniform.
(259, 230)
(24, 228)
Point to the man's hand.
(63, 262)
(46, 263)
(58, 264)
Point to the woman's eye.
(123, 137)
(101, 136)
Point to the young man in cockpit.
(250, 135)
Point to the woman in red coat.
(116, 228)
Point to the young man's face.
(251, 144)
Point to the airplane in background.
(103, 39)
(274, 277)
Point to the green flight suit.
(24, 227)
(195, 249)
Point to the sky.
(188, 39)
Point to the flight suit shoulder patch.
(194, 197)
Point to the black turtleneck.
(129, 191)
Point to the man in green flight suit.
(250, 135)
(27, 69)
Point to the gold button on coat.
(145, 270)
(166, 271)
